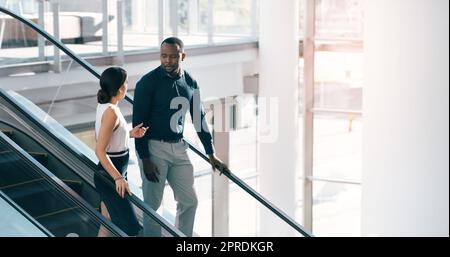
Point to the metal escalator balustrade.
(15, 222)
(250, 191)
(44, 197)
(75, 158)
(41, 155)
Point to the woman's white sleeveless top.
(120, 137)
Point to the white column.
(174, 17)
(56, 52)
(41, 39)
(220, 184)
(308, 117)
(161, 24)
(105, 21)
(138, 15)
(210, 22)
(120, 13)
(193, 17)
(278, 160)
(406, 106)
(254, 13)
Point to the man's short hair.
(174, 41)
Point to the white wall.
(278, 79)
(406, 104)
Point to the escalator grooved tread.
(38, 196)
(65, 221)
(38, 154)
(7, 132)
(31, 195)
(20, 184)
(53, 213)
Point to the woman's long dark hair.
(110, 82)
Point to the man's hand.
(151, 172)
(215, 162)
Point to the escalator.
(74, 163)
(48, 200)
(17, 222)
(42, 156)
(52, 146)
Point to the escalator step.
(27, 188)
(40, 157)
(76, 186)
(34, 196)
(68, 221)
(10, 163)
(7, 132)
(11, 170)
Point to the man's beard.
(173, 71)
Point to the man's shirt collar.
(164, 74)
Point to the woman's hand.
(122, 187)
(138, 131)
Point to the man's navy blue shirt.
(152, 97)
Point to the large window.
(335, 123)
(110, 28)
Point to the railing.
(17, 208)
(172, 230)
(114, 23)
(226, 172)
(58, 185)
(81, 169)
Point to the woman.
(111, 149)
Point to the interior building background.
(336, 111)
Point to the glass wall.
(110, 28)
(336, 115)
(337, 209)
(339, 19)
(140, 21)
(15, 36)
(232, 20)
(338, 84)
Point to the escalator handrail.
(57, 43)
(88, 162)
(62, 188)
(227, 172)
(27, 216)
(171, 229)
(277, 211)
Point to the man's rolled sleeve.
(203, 131)
(141, 110)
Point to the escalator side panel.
(44, 197)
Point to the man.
(162, 152)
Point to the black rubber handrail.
(282, 215)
